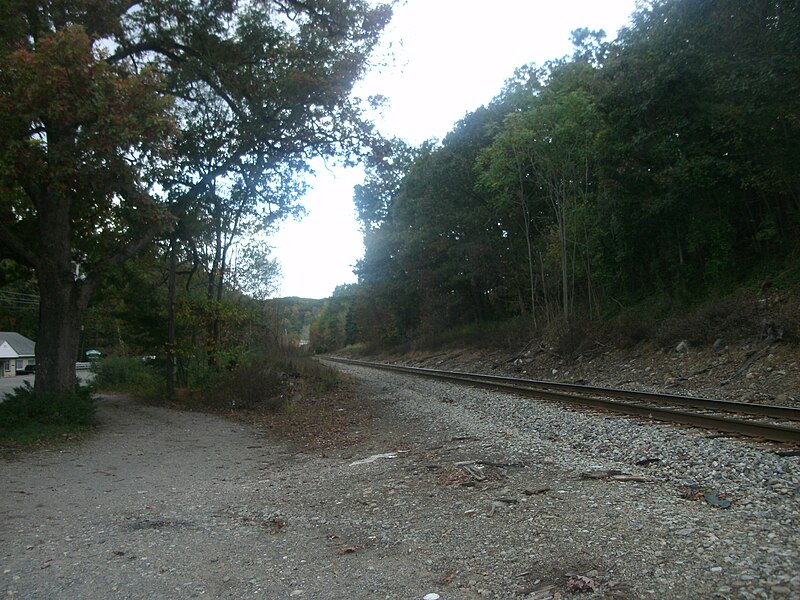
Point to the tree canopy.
(660, 164)
(123, 120)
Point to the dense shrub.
(26, 415)
(734, 317)
(630, 330)
(125, 374)
(574, 339)
(269, 382)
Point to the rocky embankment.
(744, 371)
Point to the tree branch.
(17, 250)
(168, 50)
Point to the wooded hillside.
(660, 168)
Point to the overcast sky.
(449, 58)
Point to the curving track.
(774, 423)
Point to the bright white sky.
(450, 57)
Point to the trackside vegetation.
(635, 179)
(263, 381)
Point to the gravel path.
(451, 490)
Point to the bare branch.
(20, 252)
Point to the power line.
(18, 300)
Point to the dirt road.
(166, 504)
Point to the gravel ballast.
(451, 490)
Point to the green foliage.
(699, 100)
(428, 265)
(655, 170)
(128, 374)
(335, 326)
(28, 416)
(294, 316)
(540, 169)
(127, 123)
(18, 299)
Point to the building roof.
(19, 343)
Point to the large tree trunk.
(61, 306)
(64, 294)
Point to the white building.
(16, 353)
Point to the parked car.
(28, 370)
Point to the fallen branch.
(617, 476)
(489, 463)
(521, 352)
(747, 364)
(774, 334)
(473, 472)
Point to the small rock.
(780, 590)
(682, 347)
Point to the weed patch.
(287, 393)
(267, 382)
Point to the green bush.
(125, 374)
(27, 416)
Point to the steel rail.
(583, 395)
(767, 410)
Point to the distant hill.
(296, 315)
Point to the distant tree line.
(663, 163)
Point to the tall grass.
(263, 381)
(269, 381)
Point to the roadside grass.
(285, 392)
(28, 418)
(268, 382)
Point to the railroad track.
(764, 421)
